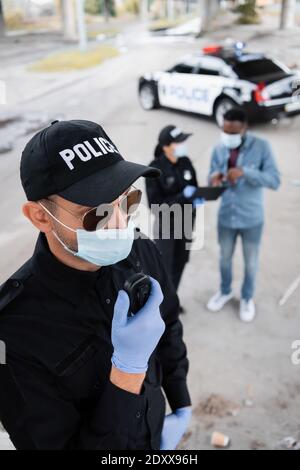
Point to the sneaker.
(247, 310)
(218, 301)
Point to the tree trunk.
(288, 14)
(2, 23)
(106, 10)
(187, 6)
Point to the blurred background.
(75, 59)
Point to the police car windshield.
(259, 70)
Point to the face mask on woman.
(181, 150)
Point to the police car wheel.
(148, 98)
(222, 106)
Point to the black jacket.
(167, 190)
(55, 391)
(174, 178)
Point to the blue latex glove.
(135, 338)
(174, 427)
(198, 202)
(189, 191)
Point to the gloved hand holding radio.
(135, 338)
(174, 427)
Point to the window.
(204, 71)
(211, 66)
(182, 68)
(260, 69)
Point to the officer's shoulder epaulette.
(11, 288)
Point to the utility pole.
(73, 18)
(69, 19)
(170, 9)
(207, 10)
(81, 25)
(288, 14)
(187, 6)
(144, 10)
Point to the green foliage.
(92, 7)
(131, 6)
(97, 7)
(248, 12)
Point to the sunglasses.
(98, 217)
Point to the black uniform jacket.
(55, 391)
(174, 178)
(168, 189)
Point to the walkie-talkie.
(138, 288)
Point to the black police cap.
(78, 161)
(171, 134)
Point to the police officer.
(80, 372)
(176, 185)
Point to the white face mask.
(231, 141)
(102, 247)
(181, 150)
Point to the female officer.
(176, 185)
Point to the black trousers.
(175, 256)
(175, 250)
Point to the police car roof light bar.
(237, 48)
(212, 49)
(240, 45)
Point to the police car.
(221, 77)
